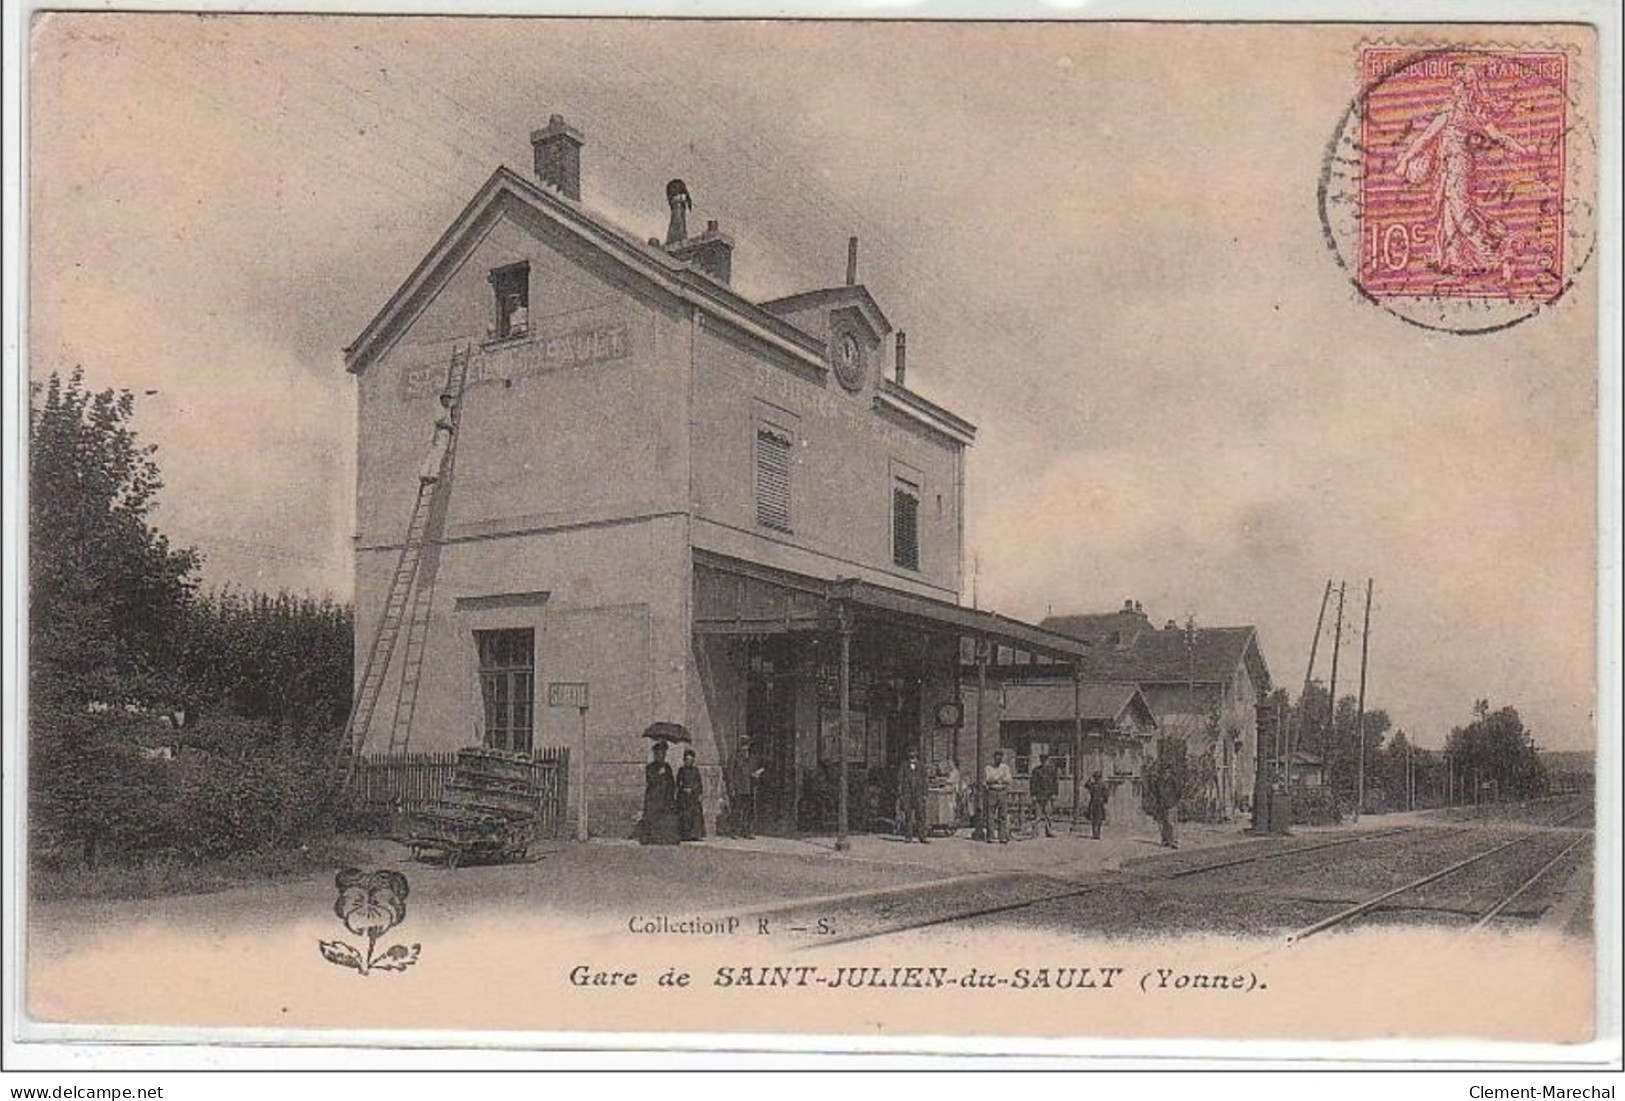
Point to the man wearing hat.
(743, 772)
(911, 785)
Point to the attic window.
(511, 286)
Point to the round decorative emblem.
(849, 363)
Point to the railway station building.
(708, 510)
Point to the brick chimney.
(558, 156)
(712, 252)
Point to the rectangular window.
(905, 524)
(508, 687)
(773, 449)
(512, 288)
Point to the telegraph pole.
(1359, 710)
(1337, 646)
(1308, 677)
(1410, 777)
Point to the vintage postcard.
(830, 535)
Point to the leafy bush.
(1315, 806)
(97, 795)
(285, 659)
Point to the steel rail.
(1356, 910)
(1093, 887)
(1495, 911)
(1584, 809)
(1375, 835)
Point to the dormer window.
(511, 286)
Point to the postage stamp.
(1452, 190)
(1462, 173)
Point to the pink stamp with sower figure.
(1463, 173)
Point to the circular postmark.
(1457, 190)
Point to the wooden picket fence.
(416, 781)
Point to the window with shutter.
(905, 525)
(773, 479)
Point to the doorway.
(770, 699)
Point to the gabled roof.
(1101, 627)
(651, 262)
(828, 297)
(1211, 655)
(1060, 702)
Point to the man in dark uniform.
(1044, 784)
(911, 784)
(1099, 792)
(743, 772)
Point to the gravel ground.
(1562, 810)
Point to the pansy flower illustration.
(370, 904)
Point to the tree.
(1495, 756)
(108, 595)
(1387, 770)
(1313, 732)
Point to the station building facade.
(711, 511)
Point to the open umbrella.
(667, 732)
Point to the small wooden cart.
(487, 812)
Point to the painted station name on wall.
(550, 346)
(789, 392)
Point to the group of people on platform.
(674, 802)
(913, 783)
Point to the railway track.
(1461, 845)
(1162, 875)
(1523, 882)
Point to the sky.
(1102, 241)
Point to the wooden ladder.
(409, 600)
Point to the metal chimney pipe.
(902, 357)
(677, 198)
(851, 261)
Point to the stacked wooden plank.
(488, 809)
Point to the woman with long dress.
(659, 825)
(690, 800)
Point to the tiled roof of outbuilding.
(1141, 654)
